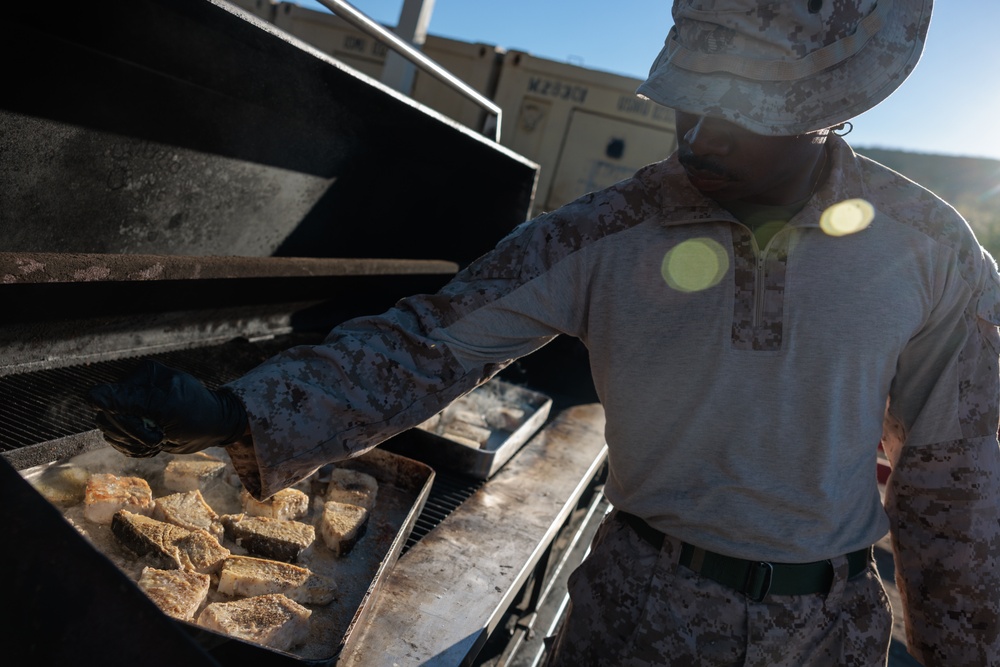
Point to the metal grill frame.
(48, 405)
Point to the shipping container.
(585, 128)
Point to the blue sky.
(948, 106)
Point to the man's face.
(728, 163)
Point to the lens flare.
(695, 265)
(847, 217)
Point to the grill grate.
(49, 404)
(448, 492)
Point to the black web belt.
(755, 579)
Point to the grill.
(448, 492)
(50, 404)
(196, 187)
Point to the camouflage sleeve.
(943, 496)
(374, 377)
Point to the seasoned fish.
(169, 546)
(269, 538)
(287, 505)
(468, 415)
(192, 472)
(188, 510)
(352, 487)
(105, 494)
(272, 620)
(176, 592)
(63, 484)
(243, 576)
(467, 434)
(504, 418)
(341, 526)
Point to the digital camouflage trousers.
(634, 606)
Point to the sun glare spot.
(695, 265)
(847, 217)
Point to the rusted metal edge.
(21, 268)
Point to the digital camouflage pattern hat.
(786, 67)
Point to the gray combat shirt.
(744, 402)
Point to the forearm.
(943, 502)
(374, 377)
(316, 404)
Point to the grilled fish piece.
(243, 576)
(105, 494)
(177, 593)
(272, 620)
(169, 546)
(504, 418)
(269, 538)
(188, 510)
(469, 415)
(341, 526)
(352, 487)
(62, 484)
(192, 472)
(287, 505)
(464, 434)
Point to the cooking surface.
(448, 592)
(254, 147)
(49, 404)
(403, 488)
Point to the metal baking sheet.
(440, 451)
(404, 485)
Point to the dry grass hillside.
(971, 185)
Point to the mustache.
(698, 163)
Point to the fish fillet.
(269, 538)
(272, 620)
(177, 593)
(287, 505)
(243, 576)
(169, 546)
(352, 487)
(188, 510)
(192, 472)
(466, 433)
(504, 418)
(62, 484)
(341, 526)
(105, 494)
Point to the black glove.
(158, 408)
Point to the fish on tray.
(188, 510)
(106, 494)
(177, 593)
(245, 576)
(269, 538)
(167, 545)
(272, 620)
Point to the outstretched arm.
(943, 497)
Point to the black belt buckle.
(758, 583)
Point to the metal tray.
(404, 485)
(440, 451)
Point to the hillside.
(971, 185)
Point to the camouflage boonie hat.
(786, 67)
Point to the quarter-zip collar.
(680, 203)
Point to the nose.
(709, 136)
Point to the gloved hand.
(158, 408)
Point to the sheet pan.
(404, 485)
(433, 446)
